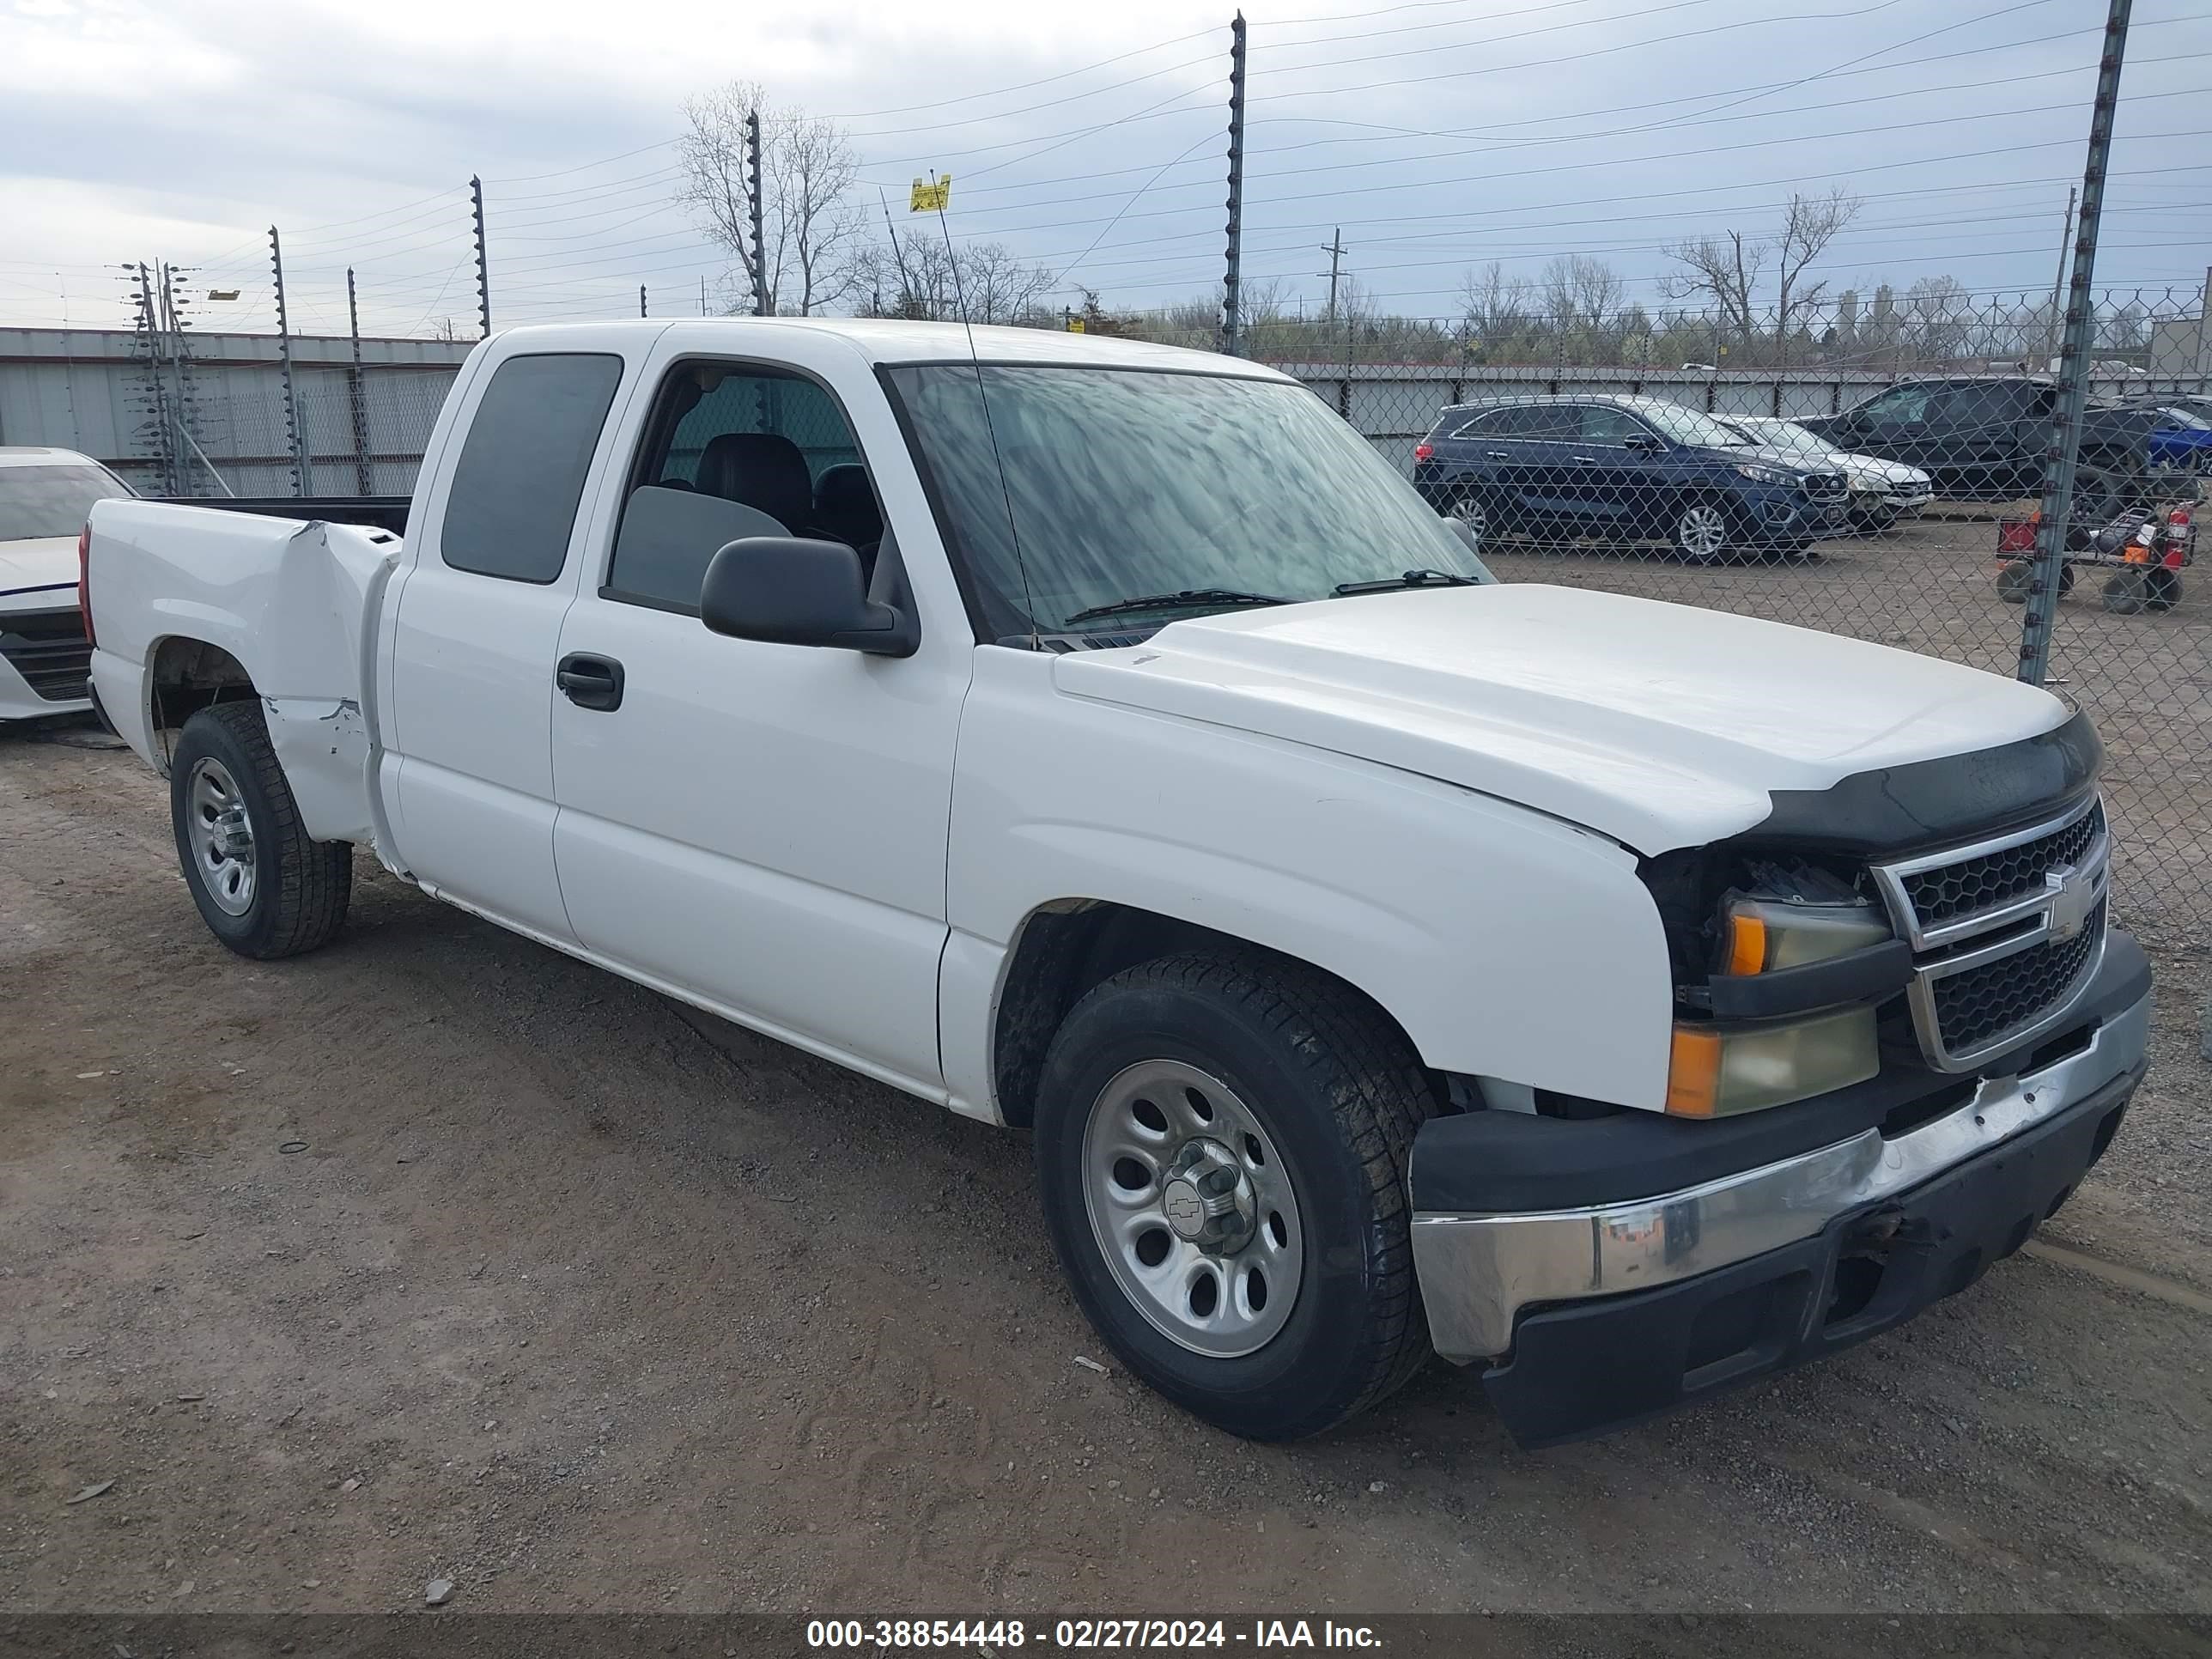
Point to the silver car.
(1880, 492)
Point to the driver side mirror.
(783, 590)
(1647, 441)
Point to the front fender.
(1505, 943)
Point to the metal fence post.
(296, 436)
(357, 398)
(483, 256)
(1232, 272)
(2057, 504)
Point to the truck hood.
(1661, 726)
(48, 562)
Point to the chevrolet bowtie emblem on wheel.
(2074, 895)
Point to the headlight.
(1758, 474)
(1859, 485)
(1717, 1068)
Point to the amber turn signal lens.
(1746, 944)
(1694, 1073)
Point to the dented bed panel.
(292, 602)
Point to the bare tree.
(811, 224)
(1936, 317)
(920, 279)
(1726, 268)
(1580, 293)
(1493, 305)
(1808, 225)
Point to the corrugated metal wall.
(92, 390)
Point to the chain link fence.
(1881, 487)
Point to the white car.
(1101, 738)
(45, 496)
(1881, 492)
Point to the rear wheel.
(264, 886)
(2161, 588)
(1221, 1148)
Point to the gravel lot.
(439, 1255)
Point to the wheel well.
(189, 675)
(1066, 948)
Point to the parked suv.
(1628, 468)
(1985, 436)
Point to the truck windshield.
(1204, 490)
(41, 501)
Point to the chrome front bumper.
(1478, 1272)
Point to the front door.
(760, 827)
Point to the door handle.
(590, 682)
(1495, 455)
(1587, 460)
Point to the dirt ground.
(439, 1255)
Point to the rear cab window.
(512, 505)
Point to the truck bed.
(376, 512)
(292, 599)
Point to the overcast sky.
(1439, 135)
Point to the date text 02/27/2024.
(990, 1636)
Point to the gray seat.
(762, 469)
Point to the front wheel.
(264, 886)
(1703, 533)
(1221, 1146)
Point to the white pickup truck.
(1099, 739)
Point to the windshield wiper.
(1186, 597)
(1409, 579)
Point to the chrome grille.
(2006, 933)
(1951, 891)
(1981, 1006)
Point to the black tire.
(2161, 588)
(2097, 497)
(1339, 1094)
(2018, 576)
(295, 888)
(2126, 591)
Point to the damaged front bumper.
(1600, 1313)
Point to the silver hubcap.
(1192, 1208)
(222, 836)
(1472, 514)
(1703, 533)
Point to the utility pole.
(1336, 251)
(2058, 281)
(753, 191)
(641, 298)
(295, 437)
(2057, 504)
(703, 294)
(483, 259)
(1232, 274)
(357, 396)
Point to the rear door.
(1615, 485)
(762, 828)
(476, 620)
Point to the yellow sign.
(931, 197)
(1075, 325)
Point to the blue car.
(1625, 469)
(2182, 440)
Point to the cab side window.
(731, 451)
(523, 466)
